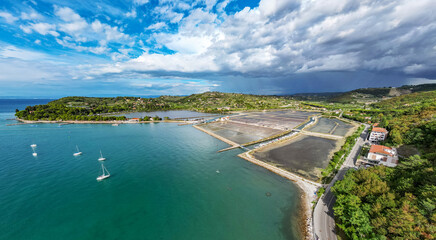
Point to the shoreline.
(306, 187)
(97, 122)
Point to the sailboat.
(78, 152)
(33, 145)
(104, 175)
(34, 153)
(101, 157)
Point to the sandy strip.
(307, 187)
(216, 136)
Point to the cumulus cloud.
(131, 14)
(157, 26)
(279, 41)
(9, 18)
(41, 28)
(285, 37)
(31, 15)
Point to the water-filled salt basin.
(239, 133)
(304, 155)
(331, 126)
(172, 114)
(252, 126)
(283, 119)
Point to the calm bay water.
(164, 185)
(170, 114)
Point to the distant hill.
(372, 95)
(416, 100)
(315, 96)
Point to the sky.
(161, 47)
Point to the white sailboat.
(34, 153)
(104, 175)
(101, 157)
(33, 145)
(78, 152)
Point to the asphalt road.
(323, 218)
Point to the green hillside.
(92, 108)
(370, 95)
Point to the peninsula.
(314, 140)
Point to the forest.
(394, 203)
(97, 109)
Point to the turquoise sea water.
(164, 185)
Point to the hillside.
(372, 95)
(92, 108)
(394, 203)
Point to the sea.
(167, 183)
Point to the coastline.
(96, 122)
(233, 144)
(307, 188)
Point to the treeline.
(90, 108)
(57, 112)
(406, 117)
(339, 156)
(388, 203)
(394, 203)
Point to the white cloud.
(157, 26)
(41, 28)
(67, 14)
(140, 2)
(9, 18)
(415, 68)
(131, 14)
(10, 51)
(31, 15)
(285, 37)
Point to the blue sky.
(149, 47)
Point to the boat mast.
(106, 171)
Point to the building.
(378, 134)
(379, 154)
(134, 119)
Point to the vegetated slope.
(388, 203)
(315, 96)
(235, 101)
(413, 102)
(394, 203)
(377, 94)
(402, 116)
(91, 108)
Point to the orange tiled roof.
(380, 149)
(379, 129)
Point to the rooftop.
(380, 149)
(379, 129)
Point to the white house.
(380, 154)
(378, 134)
